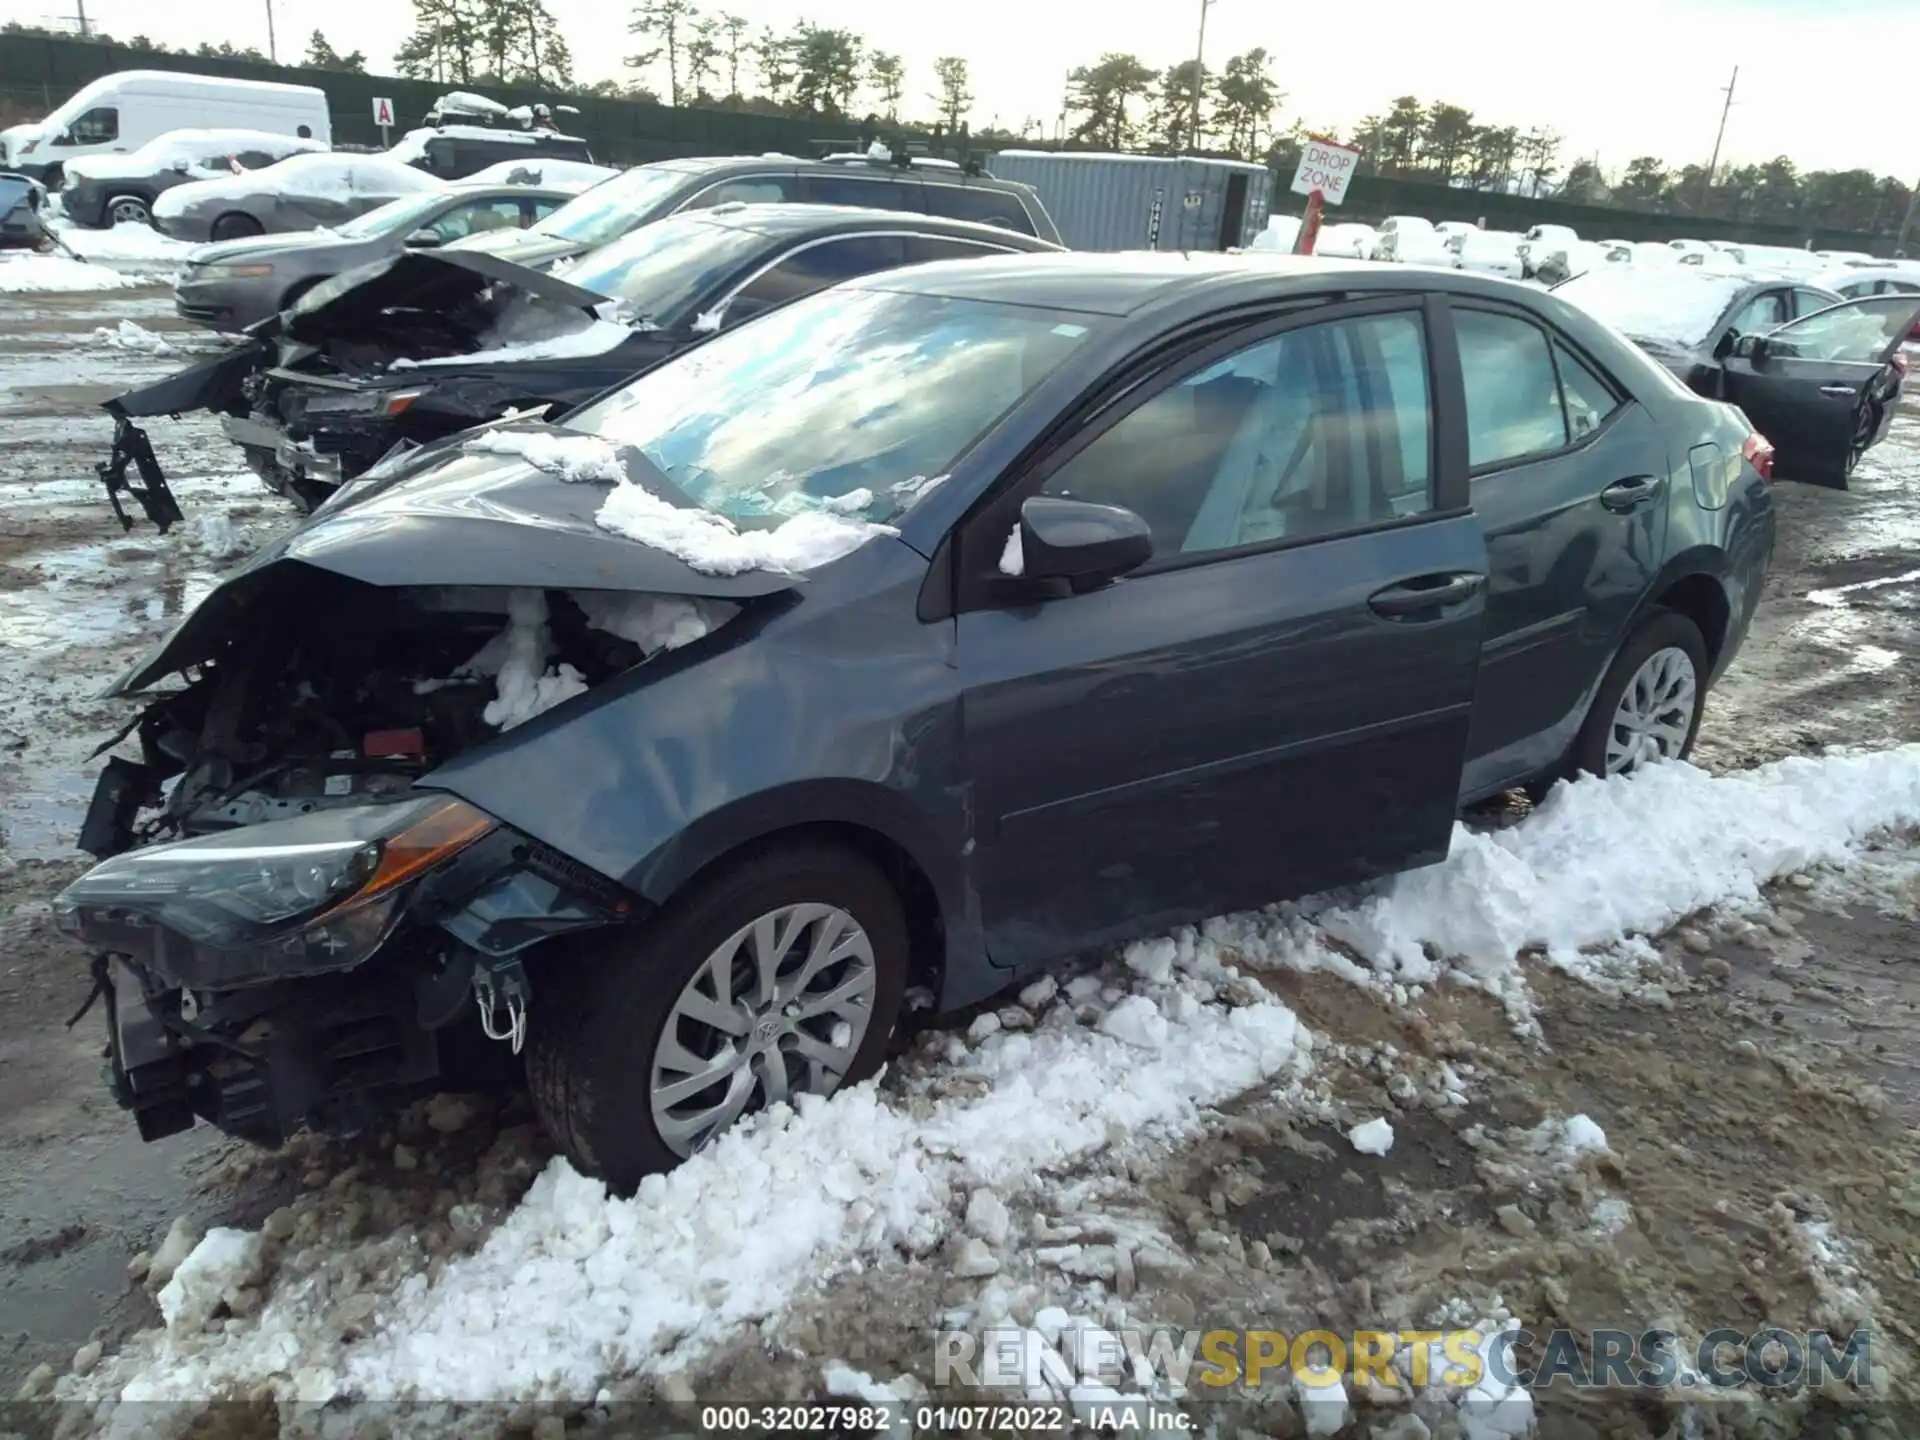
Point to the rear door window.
(1512, 389)
(1806, 302)
(818, 188)
(983, 206)
(745, 190)
(921, 248)
(815, 268)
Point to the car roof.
(507, 189)
(1127, 282)
(748, 164)
(791, 217)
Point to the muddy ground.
(1758, 1085)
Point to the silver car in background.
(302, 192)
(236, 283)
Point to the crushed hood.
(446, 518)
(523, 247)
(432, 281)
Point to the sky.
(1649, 80)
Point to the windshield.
(662, 269)
(392, 216)
(1675, 306)
(848, 400)
(613, 207)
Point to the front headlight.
(377, 402)
(234, 271)
(292, 896)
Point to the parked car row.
(674, 733)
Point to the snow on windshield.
(700, 538)
(1670, 305)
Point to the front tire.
(1648, 707)
(781, 973)
(128, 210)
(236, 226)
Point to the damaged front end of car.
(311, 396)
(294, 926)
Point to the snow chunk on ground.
(1580, 1136)
(127, 242)
(129, 336)
(222, 1262)
(58, 275)
(1375, 1137)
(1605, 859)
(216, 538)
(1013, 560)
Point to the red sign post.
(1326, 167)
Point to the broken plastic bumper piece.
(132, 448)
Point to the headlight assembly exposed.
(293, 896)
(378, 402)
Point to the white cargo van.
(121, 112)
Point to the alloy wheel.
(128, 212)
(1655, 715)
(781, 1006)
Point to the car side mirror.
(423, 240)
(1083, 544)
(1750, 347)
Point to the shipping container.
(1144, 202)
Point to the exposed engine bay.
(314, 979)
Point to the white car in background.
(1413, 247)
(1684, 248)
(1351, 240)
(1654, 252)
(1488, 252)
(1845, 257)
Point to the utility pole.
(84, 32)
(273, 50)
(1199, 70)
(1720, 134)
(1906, 223)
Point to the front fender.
(835, 705)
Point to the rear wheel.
(236, 226)
(782, 973)
(128, 210)
(1648, 707)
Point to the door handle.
(1428, 593)
(1625, 495)
(1848, 392)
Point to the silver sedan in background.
(233, 284)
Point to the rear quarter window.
(983, 206)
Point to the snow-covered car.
(1489, 252)
(1654, 253)
(1349, 240)
(1541, 240)
(105, 190)
(1684, 248)
(678, 744)
(1413, 247)
(1553, 260)
(1819, 376)
(455, 151)
(1282, 234)
(302, 192)
(232, 285)
(1846, 257)
(573, 176)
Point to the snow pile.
(219, 1265)
(596, 337)
(575, 1287)
(129, 336)
(653, 622)
(123, 243)
(216, 537)
(57, 275)
(1605, 859)
(1013, 558)
(516, 658)
(702, 539)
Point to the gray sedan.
(234, 284)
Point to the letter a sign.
(383, 112)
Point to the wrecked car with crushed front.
(687, 743)
(416, 347)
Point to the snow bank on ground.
(709, 542)
(575, 1288)
(123, 243)
(1601, 860)
(58, 275)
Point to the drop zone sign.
(1327, 167)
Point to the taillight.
(1758, 452)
